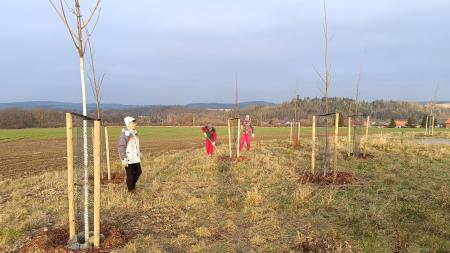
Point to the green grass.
(7, 135)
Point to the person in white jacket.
(129, 152)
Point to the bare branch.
(68, 7)
(95, 23)
(318, 74)
(91, 15)
(62, 15)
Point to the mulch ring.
(342, 178)
(232, 159)
(116, 178)
(55, 241)
(360, 156)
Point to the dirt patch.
(116, 178)
(232, 159)
(341, 178)
(359, 156)
(55, 241)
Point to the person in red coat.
(210, 138)
(247, 131)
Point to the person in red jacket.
(210, 138)
(247, 131)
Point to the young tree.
(79, 34)
(96, 83)
(326, 76)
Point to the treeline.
(261, 115)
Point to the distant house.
(447, 123)
(400, 123)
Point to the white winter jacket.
(129, 146)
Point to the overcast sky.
(178, 51)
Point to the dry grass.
(188, 202)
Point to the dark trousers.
(133, 173)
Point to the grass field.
(189, 203)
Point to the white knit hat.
(128, 120)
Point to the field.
(187, 202)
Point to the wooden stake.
(97, 172)
(336, 134)
(229, 139)
(367, 136)
(108, 164)
(426, 126)
(313, 151)
(238, 135)
(290, 135)
(70, 176)
(432, 125)
(298, 133)
(349, 151)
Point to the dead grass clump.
(116, 178)
(341, 178)
(55, 240)
(302, 194)
(232, 159)
(321, 245)
(400, 244)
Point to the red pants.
(245, 138)
(209, 147)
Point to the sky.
(179, 52)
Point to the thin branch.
(92, 14)
(96, 21)
(317, 72)
(62, 16)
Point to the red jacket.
(247, 127)
(211, 134)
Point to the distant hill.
(437, 102)
(51, 105)
(60, 106)
(227, 106)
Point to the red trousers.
(245, 138)
(209, 147)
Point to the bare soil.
(329, 178)
(55, 241)
(232, 159)
(116, 178)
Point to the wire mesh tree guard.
(358, 135)
(233, 136)
(84, 164)
(325, 129)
